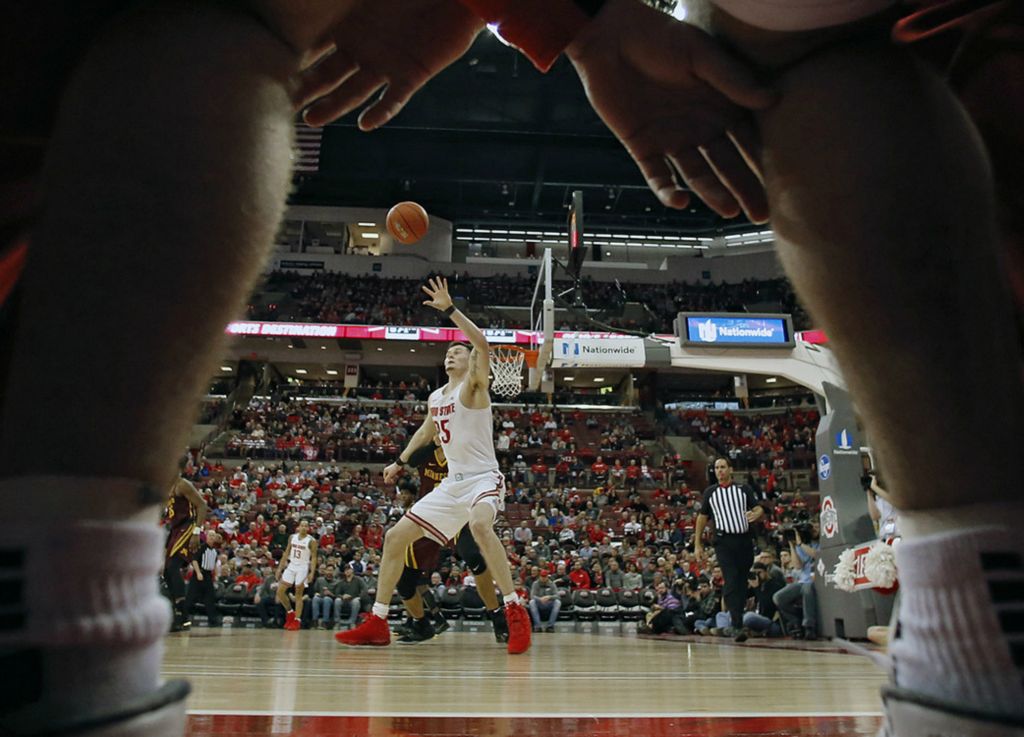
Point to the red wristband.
(541, 29)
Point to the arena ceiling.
(491, 140)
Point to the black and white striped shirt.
(728, 506)
(208, 561)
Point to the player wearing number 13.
(459, 413)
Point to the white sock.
(93, 613)
(512, 598)
(380, 610)
(960, 631)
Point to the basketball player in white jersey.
(473, 492)
(300, 556)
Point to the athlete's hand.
(698, 552)
(199, 577)
(437, 290)
(392, 46)
(302, 23)
(678, 103)
(391, 473)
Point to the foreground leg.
(168, 165)
(883, 207)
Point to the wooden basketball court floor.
(570, 684)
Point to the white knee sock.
(960, 631)
(86, 608)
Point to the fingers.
(325, 76)
(349, 95)
(704, 182)
(392, 100)
(727, 75)
(732, 169)
(661, 178)
(744, 135)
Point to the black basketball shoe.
(419, 630)
(500, 625)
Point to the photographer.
(664, 615)
(764, 583)
(803, 550)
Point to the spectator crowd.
(336, 298)
(595, 504)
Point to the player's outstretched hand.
(679, 103)
(391, 473)
(437, 289)
(392, 46)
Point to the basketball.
(407, 222)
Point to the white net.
(507, 370)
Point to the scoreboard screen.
(735, 330)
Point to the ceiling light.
(367, 225)
(332, 372)
(569, 378)
(323, 348)
(771, 380)
(371, 236)
(379, 348)
(412, 350)
(225, 368)
(598, 379)
(301, 371)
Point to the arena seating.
(361, 299)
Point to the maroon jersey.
(180, 520)
(423, 554)
(433, 472)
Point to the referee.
(204, 576)
(733, 508)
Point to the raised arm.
(480, 359)
(187, 490)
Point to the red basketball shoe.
(374, 631)
(518, 628)
(293, 625)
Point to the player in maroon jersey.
(186, 509)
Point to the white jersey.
(300, 550)
(467, 435)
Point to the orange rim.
(507, 353)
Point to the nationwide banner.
(621, 351)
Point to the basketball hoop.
(507, 368)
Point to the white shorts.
(800, 15)
(296, 573)
(446, 509)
